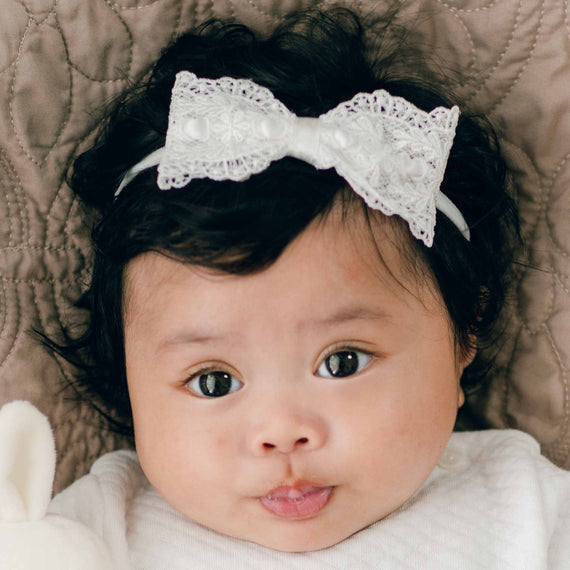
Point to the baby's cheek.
(402, 439)
(221, 443)
(206, 454)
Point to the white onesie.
(493, 502)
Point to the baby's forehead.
(351, 254)
(384, 245)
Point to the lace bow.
(391, 153)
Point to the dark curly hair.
(312, 62)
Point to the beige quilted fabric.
(59, 59)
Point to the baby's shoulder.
(500, 462)
(119, 470)
(496, 451)
(102, 499)
(113, 480)
(494, 445)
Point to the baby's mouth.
(296, 502)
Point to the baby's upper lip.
(288, 488)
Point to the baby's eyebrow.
(340, 316)
(188, 337)
(347, 314)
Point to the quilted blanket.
(61, 59)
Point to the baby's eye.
(214, 384)
(343, 363)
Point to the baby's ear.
(460, 397)
(465, 353)
(470, 353)
(465, 357)
(27, 463)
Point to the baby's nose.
(287, 433)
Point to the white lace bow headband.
(391, 153)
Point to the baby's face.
(296, 406)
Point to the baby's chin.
(304, 536)
(304, 540)
(299, 542)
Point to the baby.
(289, 328)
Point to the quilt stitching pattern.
(452, 8)
(501, 55)
(527, 57)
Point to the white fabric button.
(452, 459)
(416, 169)
(197, 129)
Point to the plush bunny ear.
(27, 463)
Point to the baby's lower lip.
(292, 503)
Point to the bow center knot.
(305, 138)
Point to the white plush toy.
(30, 539)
